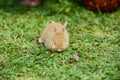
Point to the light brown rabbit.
(55, 37)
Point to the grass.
(94, 37)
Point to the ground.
(94, 37)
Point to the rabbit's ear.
(65, 24)
(55, 28)
(58, 29)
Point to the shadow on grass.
(14, 7)
(46, 7)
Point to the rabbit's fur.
(55, 36)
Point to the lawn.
(94, 37)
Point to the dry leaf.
(76, 57)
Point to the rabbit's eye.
(54, 43)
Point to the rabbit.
(55, 37)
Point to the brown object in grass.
(102, 5)
(32, 3)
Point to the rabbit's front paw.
(40, 40)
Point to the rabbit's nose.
(59, 50)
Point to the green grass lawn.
(94, 37)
